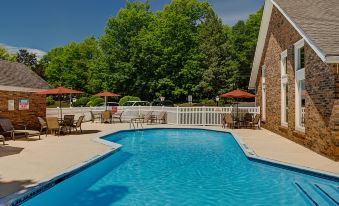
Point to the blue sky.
(46, 24)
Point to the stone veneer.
(320, 84)
(37, 107)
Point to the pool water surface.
(185, 167)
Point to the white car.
(136, 103)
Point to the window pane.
(302, 58)
(302, 92)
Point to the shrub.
(50, 101)
(94, 101)
(128, 98)
(81, 102)
(208, 102)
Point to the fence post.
(177, 115)
(204, 116)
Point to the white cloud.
(14, 50)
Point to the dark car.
(166, 103)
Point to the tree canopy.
(181, 50)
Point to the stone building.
(296, 72)
(18, 101)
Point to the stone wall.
(320, 85)
(37, 107)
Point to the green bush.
(208, 102)
(94, 101)
(81, 102)
(50, 100)
(128, 98)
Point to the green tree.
(26, 58)
(181, 50)
(4, 55)
(69, 66)
(30, 60)
(216, 46)
(246, 35)
(120, 49)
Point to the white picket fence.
(175, 115)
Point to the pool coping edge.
(25, 194)
(21, 196)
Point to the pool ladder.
(319, 194)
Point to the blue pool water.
(184, 167)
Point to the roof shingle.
(18, 75)
(319, 19)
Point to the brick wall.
(320, 85)
(37, 107)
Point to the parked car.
(166, 103)
(109, 104)
(136, 103)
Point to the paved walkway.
(27, 162)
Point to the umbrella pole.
(106, 102)
(60, 106)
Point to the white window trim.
(299, 75)
(263, 92)
(284, 81)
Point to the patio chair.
(117, 115)
(144, 118)
(162, 117)
(149, 117)
(7, 127)
(77, 124)
(43, 124)
(95, 116)
(106, 117)
(2, 138)
(68, 122)
(256, 122)
(53, 125)
(247, 119)
(230, 122)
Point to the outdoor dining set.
(248, 120)
(55, 125)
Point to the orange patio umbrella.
(59, 91)
(107, 94)
(238, 94)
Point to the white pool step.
(319, 194)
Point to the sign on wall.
(23, 104)
(11, 105)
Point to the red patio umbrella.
(59, 91)
(107, 94)
(238, 94)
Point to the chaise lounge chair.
(7, 127)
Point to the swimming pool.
(185, 167)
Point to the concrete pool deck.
(25, 162)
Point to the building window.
(284, 89)
(299, 60)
